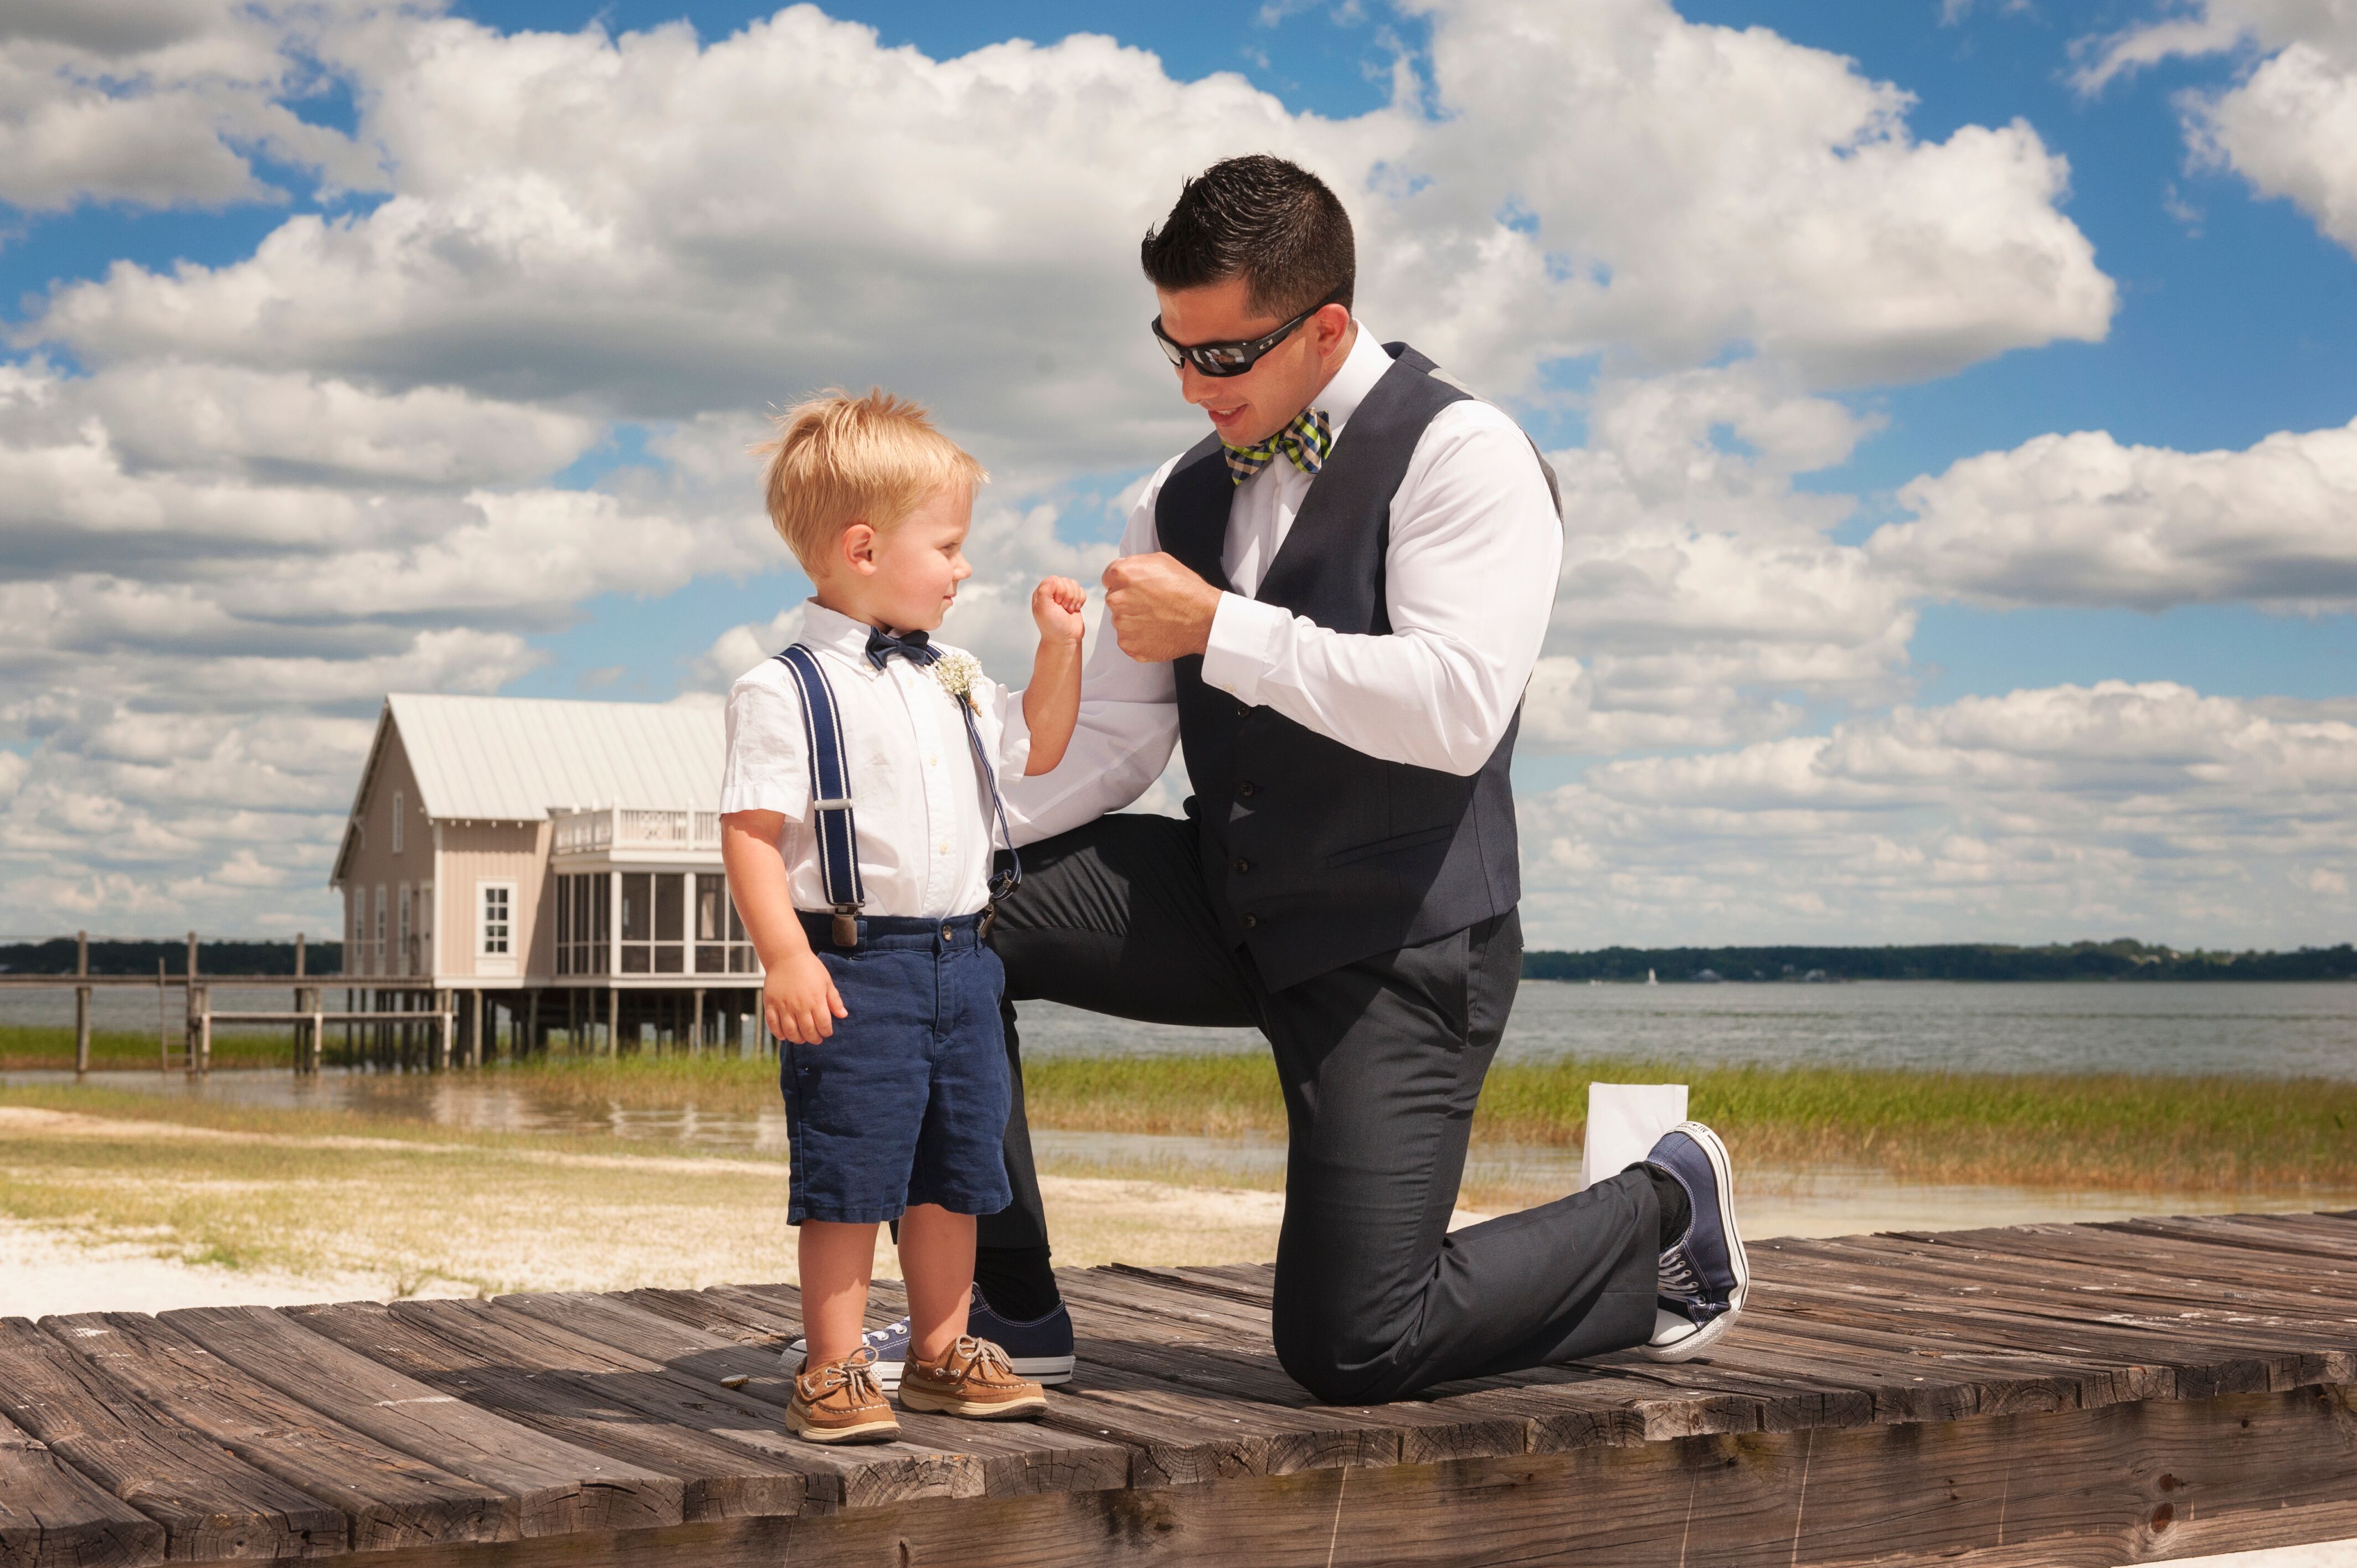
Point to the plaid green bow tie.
(1307, 441)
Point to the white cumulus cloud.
(2044, 813)
(2289, 123)
(240, 501)
(2082, 519)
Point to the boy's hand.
(1056, 606)
(799, 1000)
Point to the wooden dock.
(2039, 1395)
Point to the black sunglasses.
(1231, 358)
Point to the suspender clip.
(845, 929)
(990, 917)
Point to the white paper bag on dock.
(1624, 1121)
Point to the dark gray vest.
(1317, 856)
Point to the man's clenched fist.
(1159, 610)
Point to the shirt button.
(1251, 921)
(1242, 865)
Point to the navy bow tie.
(914, 647)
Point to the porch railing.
(633, 827)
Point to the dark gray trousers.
(1381, 1063)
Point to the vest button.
(1242, 710)
(1251, 921)
(1247, 790)
(1242, 865)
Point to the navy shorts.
(905, 1102)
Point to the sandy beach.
(137, 1213)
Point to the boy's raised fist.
(1056, 607)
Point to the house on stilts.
(536, 867)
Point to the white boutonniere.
(957, 672)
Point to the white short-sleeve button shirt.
(921, 805)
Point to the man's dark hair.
(1270, 222)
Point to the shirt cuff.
(1246, 636)
(790, 800)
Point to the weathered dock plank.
(2078, 1489)
(52, 1517)
(560, 1488)
(1015, 1459)
(2035, 1395)
(211, 1504)
(390, 1498)
(607, 1408)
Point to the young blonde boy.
(878, 987)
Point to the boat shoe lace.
(970, 1360)
(853, 1378)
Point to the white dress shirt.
(920, 804)
(1476, 545)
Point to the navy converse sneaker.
(1704, 1276)
(1041, 1349)
(887, 1353)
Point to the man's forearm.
(1410, 696)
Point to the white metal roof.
(510, 759)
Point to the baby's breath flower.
(957, 672)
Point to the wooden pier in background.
(2037, 1395)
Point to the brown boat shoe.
(841, 1402)
(973, 1378)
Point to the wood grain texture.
(390, 1498)
(51, 1517)
(600, 1406)
(2033, 1394)
(211, 1504)
(1015, 1458)
(2071, 1490)
(559, 1487)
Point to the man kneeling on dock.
(1334, 602)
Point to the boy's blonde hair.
(840, 459)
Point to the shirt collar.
(831, 631)
(1362, 369)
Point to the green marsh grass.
(25, 1048)
(2116, 1131)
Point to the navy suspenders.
(829, 771)
(838, 835)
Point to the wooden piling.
(82, 1004)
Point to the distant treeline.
(2123, 960)
(57, 957)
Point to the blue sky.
(2235, 323)
(2200, 356)
(1796, 609)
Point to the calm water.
(2277, 1031)
(2249, 1030)
(2289, 1030)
